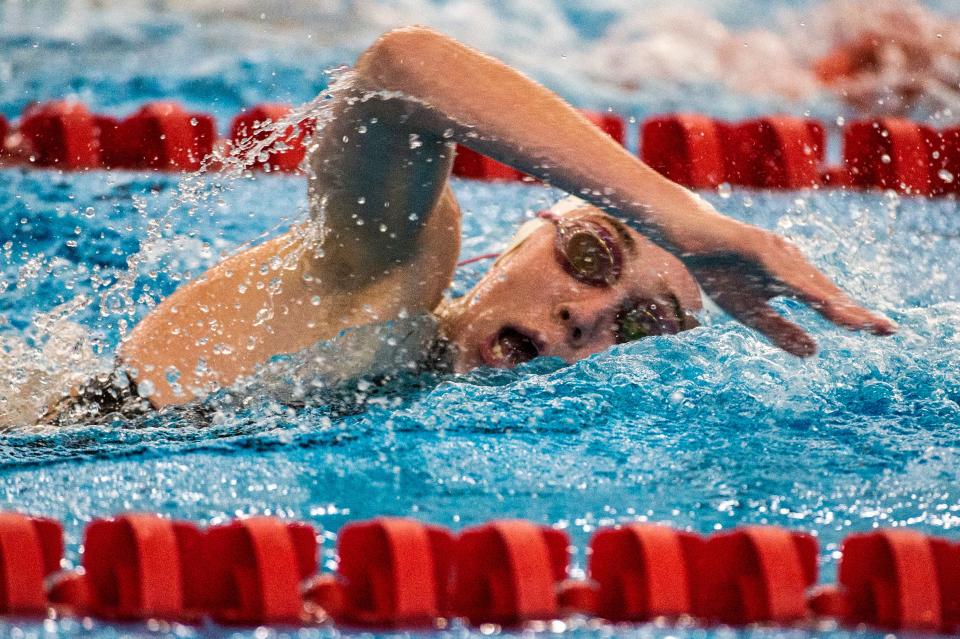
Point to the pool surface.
(707, 430)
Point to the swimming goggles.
(586, 250)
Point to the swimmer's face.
(576, 285)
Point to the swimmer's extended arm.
(452, 92)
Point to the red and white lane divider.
(159, 136)
(776, 152)
(400, 573)
(787, 153)
(470, 164)
(698, 151)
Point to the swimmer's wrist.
(689, 226)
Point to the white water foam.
(56, 354)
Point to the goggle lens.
(636, 323)
(588, 253)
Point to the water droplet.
(415, 141)
(146, 388)
(945, 175)
(315, 300)
(724, 190)
(885, 158)
(361, 200)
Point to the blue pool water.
(710, 429)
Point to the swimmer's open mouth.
(509, 347)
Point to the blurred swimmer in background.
(900, 57)
(883, 57)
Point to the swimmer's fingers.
(760, 316)
(815, 289)
(743, 279)
(843, 311)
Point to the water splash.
(37, 369)
(707, 430)
(56, 354)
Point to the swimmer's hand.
(742, 271)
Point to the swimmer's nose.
(586, 320)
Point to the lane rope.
(401, 573)
(778, 152)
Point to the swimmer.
(896, 58)
(880, 57)
(623, 263)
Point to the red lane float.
(890, 153)
(610, 123)
(471, 164)
(392, 572)
(61, 134)
(4, 130)
(30, 551)
(285, 150)
(161, 135)
(835, 176)
(643, 571)
(253, 568)
(946, 168)
(137, 566)
(686, 148)
(755, 574)
(778, 152)
(900, 579)
(402, 573)
(507, 572)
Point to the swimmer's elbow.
(398, 52)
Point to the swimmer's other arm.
(464, 95)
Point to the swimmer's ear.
(524, 232)
(568, 204)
